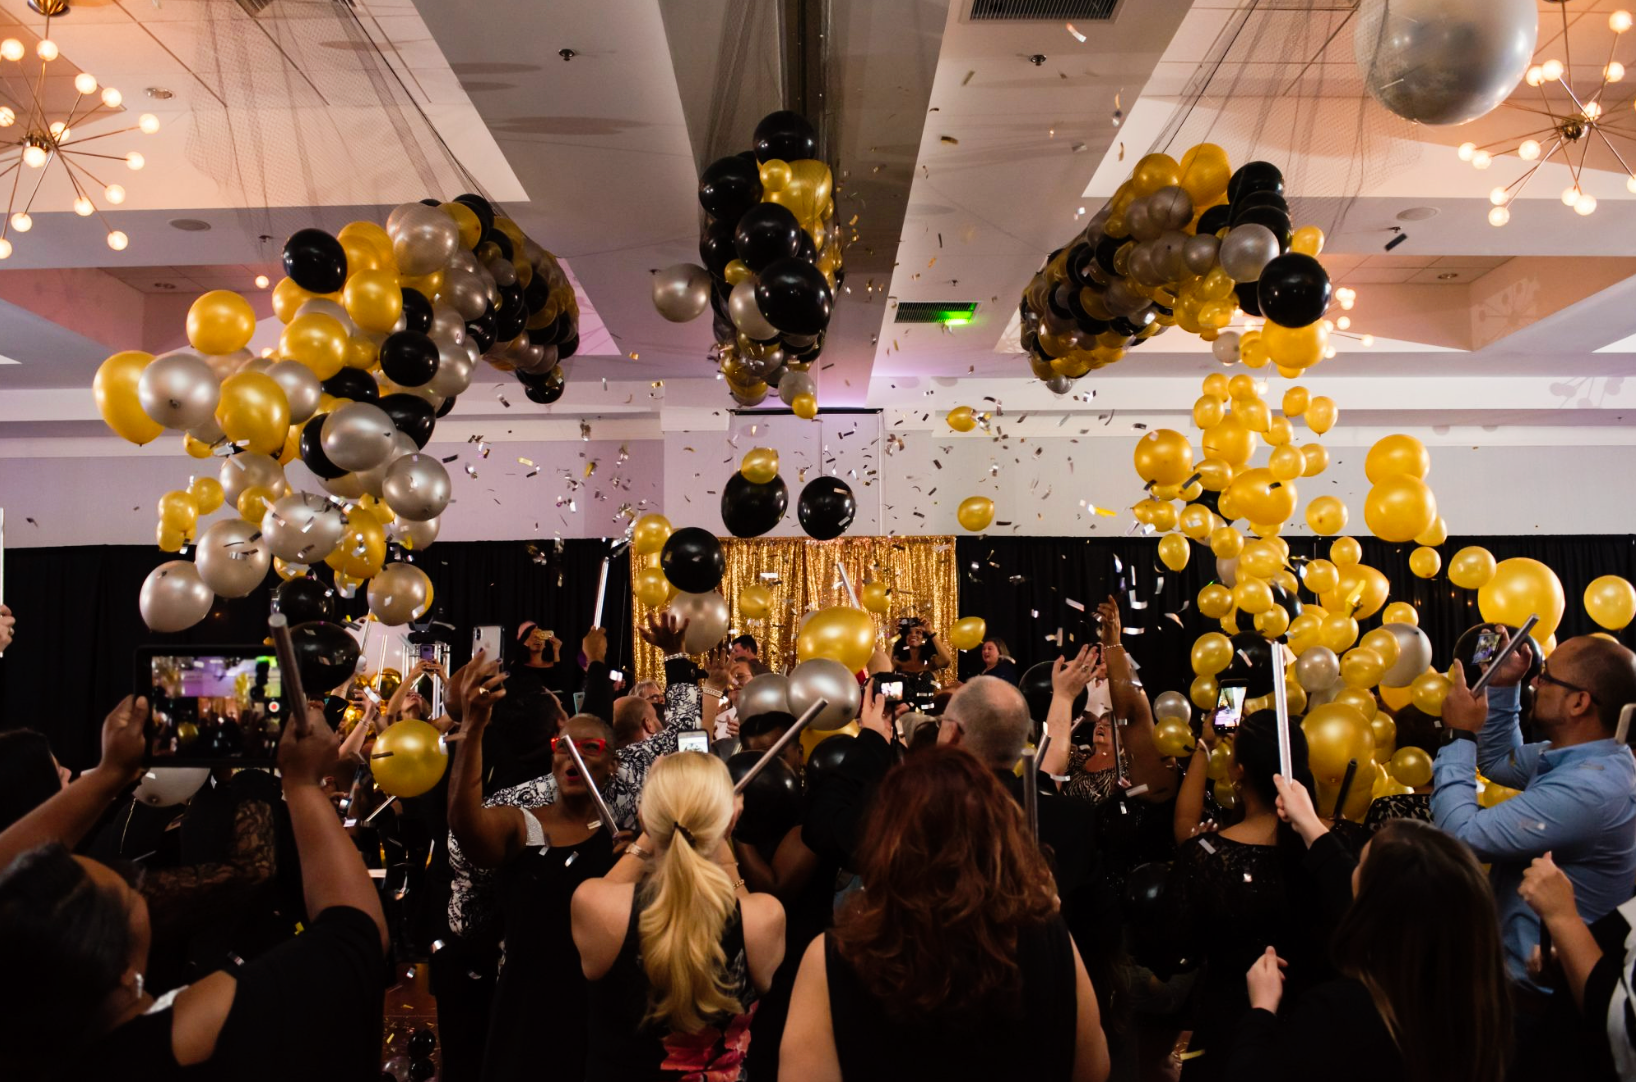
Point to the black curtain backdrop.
(78, 623)
(1026, 587)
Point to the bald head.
(994, 717)
(1605, 669)
(633, 720)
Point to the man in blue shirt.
(1578, 798)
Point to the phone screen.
(693, 740)
(487, 639)
(220, 705)
(1229, 709)
(892, 689)
(1488, 644)
(615, 674)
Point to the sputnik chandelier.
(1573, 121)
(37, 138)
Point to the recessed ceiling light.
(1417, 214)
(1448, 276)
(190, 225)
(159, 93)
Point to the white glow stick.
(846, 580)
(601, 594)
(1280, 704)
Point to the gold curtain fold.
(919, 572)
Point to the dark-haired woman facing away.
(952, 963)
(1421, 988)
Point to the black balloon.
(481, 331)
(1290, 603)
(1035, 684)
(548, 390)
(422, 1042)
(1465, 652)
(826, 758)
(787, 135)
(315, 260)
(353, 384)
(728, 187)
(805, 250)
(311, 450)
(692, 560)
(326, 655)
(535, 294)
(772, 802)
(1294, 290)
(480, 207)
(304, 599)
(500, 241)
(409, 358)
(448, 404)
(1252, 664)
(1215, 219)
(1145, 892)
(512, 316)
(568, 347)
(826, 508)
(422, 1068)
(1080, 257)
(1106, 247)
(552, 332)
(1251, 200)
(1248, 298)
(749, 509)
(1271, 217)
(765, 234)
(1255, 177)
(794, 296)
(717, 248)
(417, 311)
(412, 415)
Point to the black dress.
(542, 985)
(1334, 1031)
(309, 1008)
(1033, 1040)
(626, 1048)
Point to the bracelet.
(739, 885)
(637, 851)
(679, 655)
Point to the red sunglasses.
(593, 745)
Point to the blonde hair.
(687, 807)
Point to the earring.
(141, 982)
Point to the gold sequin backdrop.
(919, 572)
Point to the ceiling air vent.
(1041, 10)
(952, 313)
(255, 7)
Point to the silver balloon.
(795, 384)
(776, 375)
(373, 480)
(447, 324)
(326, 307)
(173, 597)
(1171, 208)
(1059, 385)
(225, 364)
(348, 486)
(1444, 61)
(1225, 347)
(1139, 220)
(1122, 300)
(249, 470)
(824, 678)
(462, 259)
(232, 558)
(1246, 250)
(747, 317)
(1141, 265)
(398, 594)
(798, 342)
(1414, 655)
(178, 390)
(1167, 254)
(501, 270)
(465, 291)
(257, 364)
(166, 786)
(301, 387)
(414, 536)
(1199, 253)
(357, 436)
(1172, 704)
(707, 618)
(681, 291)
(454, 369)
(1317, 669)
(768, 693)
(208, 433)
(1227, 570)
(423, 238)
(416, 487)
(302, 528)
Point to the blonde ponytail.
(687, 806)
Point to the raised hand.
(124, 738)
(665, 631)
(484, 687)
(717, 667)
(1547, 890)
(1070, 677)
(872, 714)
(1295, 808)
(1266, 981)
(1108, 614)
(595, 645)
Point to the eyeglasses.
(1545, 675)
(591, 745)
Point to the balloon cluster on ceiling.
(772, 258)
(382, 330)
(1189, 244)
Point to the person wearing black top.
(916, 650)
(1421, 989)
(952, 963)
(997, 661)
(74, 941)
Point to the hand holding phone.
(486, 638)
(693, 740)
(1229, 710)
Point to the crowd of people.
(971, 883)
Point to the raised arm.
(71, 813)
(599, 695)
(1068, 680)
(1501, 754)
(1549, 893)
(940, 654)
(1130, 705)
(488, 836)
(1189, 813)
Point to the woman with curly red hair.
(952, 962)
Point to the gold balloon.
(1174, 551)
(875, 597)
(1321, 414)
(1399, 508)
(1208, 411)
(1215, 601)
(195, 448)
(253, 501)
(1326, 515)
(1320, 576)
(1522, 587)
(373, 299)
(1359, 699)
(1231, 442)
(1472, 568)
(471, 227)
(363, 256)
(1287, 463)
(1195, 521)
(207, 492)
(219, 322)
(1296, 400)
(760, 465)
(409, 758)
(178, 511)
(1384, 727)
(1345, 551)
(317, 341)
(1383, 643)
(1411, 767)
(1611, 602)
(775, 175)
(1216, 383)
(1361, 667)
(842, 634)
(288, 299)
(1336, 734)
(968, 632)
(1433, 535)
(1153, 172)
(363, 547)
(1204, 692)
(1252, 595)
(1338, 632)
(1212, 652)
(1204, 172)
(650, 534)
(975, 513)
(1279, 434)
(1273, 623)
(1359, 591)
(1262, 497)
(1400, 612)
(1308, 240)
(755, 601)
(430, 285)
(1214, 474)
(1226, 542)
(1164, 457)
(1173, 738)
(652, 588)
(962, 418)
(372, 234)
(1428, 692)
(254, 412)
(1260, 559)
(1396, 456)
(1317, 457)
(805, 406)
(1425, 562)
(115, 389)
(1296, 347)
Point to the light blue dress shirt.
(1577, 803)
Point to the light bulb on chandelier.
(135, 160)
(1592, 110)
(1528, 150)
(1585, 204)
(34, 155)
(1614, 71)
(1498, 197)
(83, 206)
(46, 50)
(262, 281)
(114, 194)
(11, 49)
(1534, 77)
(1499, 216)
(117, 240)
(1551, 70)
(5, 248)
(1482, 160)
(148, 123)
(22, 222)
(1570, 195)
(1619, 22)
(1466, 150)
(112, 98)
